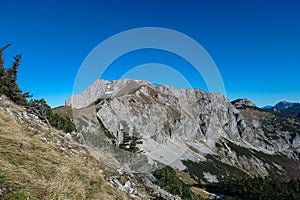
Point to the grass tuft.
(35, 163)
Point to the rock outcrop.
(168, 125)
(240, 103)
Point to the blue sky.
(255, 44)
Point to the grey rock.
(68, 136)
(183, 124)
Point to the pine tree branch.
(5, 47)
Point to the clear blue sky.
(255, 44)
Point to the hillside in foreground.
(40, 162)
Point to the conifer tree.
(2, 68)
(10, 88)
(13, 71)
(8, 80)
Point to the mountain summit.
(286, 109)
(285, 105)
(185, 128)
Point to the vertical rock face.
(102, 88)
(180, 124)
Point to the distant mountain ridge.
(285, 108)
(285, 105)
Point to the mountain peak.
(285, 104)
(170, 126)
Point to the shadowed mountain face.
(285, 105)
(188, 129)
(286, 109)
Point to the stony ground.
(39, 162)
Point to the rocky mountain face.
(138, 125)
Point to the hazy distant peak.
(285, 104)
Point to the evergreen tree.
(168, 180)
(13, 71)
(40, 107)
(10, 88)
(130, 141)
(8, 80)
(2, 68)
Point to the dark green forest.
(168, 180)
(257, 188)
(246, 188)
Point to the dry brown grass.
(203, 193)
(33, 168)
(185, 177)
(64, 111)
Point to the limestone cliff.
(168, 125)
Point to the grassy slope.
(64, 111)
(33, 168)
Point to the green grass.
(21, 194)
(2, 179)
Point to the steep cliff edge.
(186, 128)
